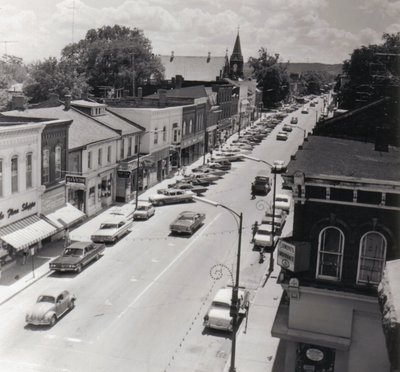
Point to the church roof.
(237, 50)
(193, 68)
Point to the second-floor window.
(28, 171)
(46, 166)
(372, 258)
(58, 162)
(184, 128)
(100, 157)
(122, 148)
(130, 146)
(156, 136)
(330, 253)
(1, 177)
(89, 160)
(14, 174)
(136, 144)
(190, 127)
(164, 134)
(109, 154)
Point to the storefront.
(192, 148)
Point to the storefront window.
(28, 171)
(14, 174)
(92, 196)
(58, 162)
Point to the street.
(141, 306)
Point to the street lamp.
(275, 169)
(234, 310)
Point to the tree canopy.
(112, 56)
(315, 81)
(271, 76)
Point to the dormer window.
(98, 111)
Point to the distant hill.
(300, 67)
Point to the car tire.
(79, 269)
(96, 257)
(71, 305)
(53, 320)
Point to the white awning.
(27, 232)
(66, 216)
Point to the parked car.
(170, 196)
(218, 315)
(278, 219)
(187, 222)
(263, 237)
(144, 211)
(111, 230)
(304, 110)
(197, 181)
(220, 155)
(283, 201)
(279, 165)
(282, 136)
(294, 120)
(50, 306)
(76, 256)
(287, 128)
(181, 185)
(205, 169)
(221, 164)
(207, 176)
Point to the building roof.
(83, 131)
(345, 158)
(195, 91)
(237, 51)
(87, 104)
(193, 68)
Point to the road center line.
(167, 268)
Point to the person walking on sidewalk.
(253, 192)
(24, 256)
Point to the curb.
(23, 288)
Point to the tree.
(315, 81)
(272, 77)
(115, 57)
(369, 72)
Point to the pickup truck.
(76, 256)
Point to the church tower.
(236, 61)
(225, 73)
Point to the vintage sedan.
(263, 237)
(187, 222)
(287, 128)
(181, 185)
(282, 136)
(224, 165)
(207, 176)
(205, 169)
(218, 315)
(283, 201)
(50, 306)
(294, 120)
(170, 196)
(112, 230)
(144, 211)
(76, 256)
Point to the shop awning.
(66, 216)
(26, 232)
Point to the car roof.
(224, 295)
(187, 213)
(282, 196)
(265, 227)
(144, 204)
(114, 220)
(53, 291)
(79, 244)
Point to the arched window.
(330, 253)
(372, 258)
(14, 174)
(45, 166)
(29, 170)
(58, 155)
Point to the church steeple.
(236, 61)
(225, 73)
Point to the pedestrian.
(24, 256)
(67, 241)
(254, 229)
(253, 193)
(261, 255)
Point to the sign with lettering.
(286, 255)
(123, 174)
(13, 211)
(75, 179)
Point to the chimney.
(178, 81)
(18, 102)
(67, 101)
(162, 94)
(140, 93)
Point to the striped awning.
(26, 232)
(66, 216)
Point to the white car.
(279, 165)
(218, 315)
(304, 110)
(263, 236)
(170, 196)
(144, 211)
(111, 230)
(283, 201)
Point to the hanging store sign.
(75, 179)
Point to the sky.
(324, 31)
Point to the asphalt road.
(141, 306)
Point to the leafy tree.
(315, 81)
(272, 77)
(370, 72)
(111, 56)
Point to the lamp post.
(235, 303)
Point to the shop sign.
(123, 174)
(286, 255)
(75, 179)
(14, 211)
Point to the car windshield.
(263, 232)
(104, 226)
(73, 252)
(186, 218)
(141, 208)
(221, 305)
(49, 299)
(281, 199)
